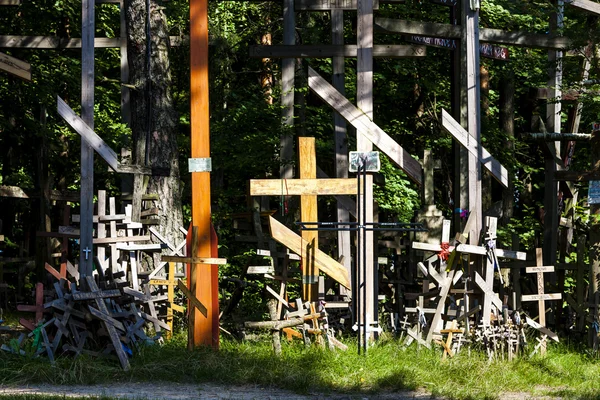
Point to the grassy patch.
(565, 372)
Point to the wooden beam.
(497, 36)
(389, 25)
(89, 142)
(87, 134)
(577, 176)
(10, 2)
(329, 51)
(554, 136)
(15, 66)
(203, 283)
(365, 126)
(19, 193)
(326, 5)
(296, 187)
(295, 243)
(54, 42)
(469, 142)
(585, 5)
(307, 160)
(523, 39)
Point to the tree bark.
(153, 119)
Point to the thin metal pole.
(358, 263)
(364, 256)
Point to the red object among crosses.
(38, 308)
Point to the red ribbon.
(445, 252)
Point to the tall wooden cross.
(308, 187)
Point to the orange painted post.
(201, 283)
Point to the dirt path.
(152, 391)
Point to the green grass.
(564, 372)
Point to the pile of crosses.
(308, 320)
(120, 308)
(451, 273)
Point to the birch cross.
(541, 297)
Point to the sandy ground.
(152, 391)
(155, 391)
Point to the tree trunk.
(153, 119)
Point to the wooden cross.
(104, 315)
(308, 187)
(541, 297)
(38, 308)
(147, 298)
(170, 283)
(447, 345)
(546, 333)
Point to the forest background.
(38, 148)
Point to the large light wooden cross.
(308, 187)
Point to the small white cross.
(87, 252)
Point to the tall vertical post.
(341, 141)
(553, 111)
(594, 246)
(202, 330)
(308, 212)
(86, 246)
(125, 104)
(364, 96)
(287, 92)
(470, 46)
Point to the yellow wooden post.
(308, 213)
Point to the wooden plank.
(577, 176)
(55, 43)
(10, 2)
(533, 270)
(389, 25)
(193, 300)
(294, 242)
(19, 193)
(329, 51)
(542, 329)
(88, 134)
(470, 143)
(140, 247)
(277, 296)
(497, 36)
(544, 296)
(585, 5)
(260, 269)
(121, 239)
(15, 66)
(195, 260)
(326, 5)
(295, 187)
(365, 126)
